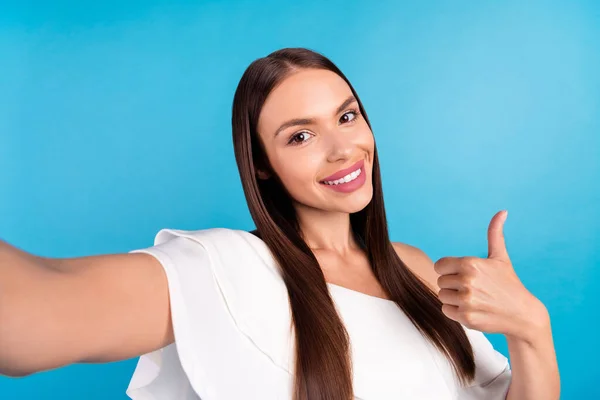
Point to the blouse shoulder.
(241, 262)
(218, 278)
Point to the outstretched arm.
(101, 308)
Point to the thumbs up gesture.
(485, 294)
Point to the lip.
(343, 172)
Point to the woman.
(317, 303)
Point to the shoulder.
(208, 233)
(419, 263)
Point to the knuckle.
(468, 281)
(468, 317)
(469, 265)
(469, 260)
(467, 298)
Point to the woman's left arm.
(533, 361)
(486, 294)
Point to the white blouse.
(231, 322)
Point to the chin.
(359, 206)
(355, 202)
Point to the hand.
(485, 294)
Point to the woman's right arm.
(103, 308)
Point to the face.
(312, 129)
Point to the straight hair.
(323, 362)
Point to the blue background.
(115, 122)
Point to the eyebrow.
(306, 121)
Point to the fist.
(485, 294)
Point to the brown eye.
(345, 118)
(298, 138)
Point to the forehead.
(308, 93)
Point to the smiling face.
(311, 128)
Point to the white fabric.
(231, 322)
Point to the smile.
(347, 180)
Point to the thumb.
(496, 244)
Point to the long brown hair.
(323, 367)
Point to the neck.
(325, 230)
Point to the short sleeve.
(166, 373)
(492, 371)
(222, 348)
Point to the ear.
(262, 168)
(262, 174)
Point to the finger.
(453, 281)
(447, 265)
(496, 243)
(471, 320)
(451, 312)
(450, 297)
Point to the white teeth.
(350, 177)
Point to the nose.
(340, 146)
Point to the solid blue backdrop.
(115, 122)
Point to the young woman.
(316, 303)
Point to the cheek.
(366, 140)
(298, 170)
